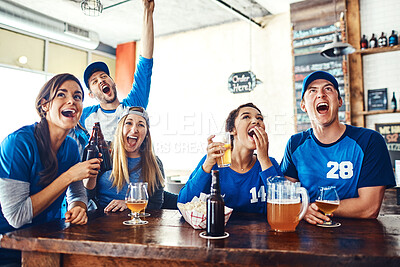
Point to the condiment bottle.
(373, 42)
(394, 103)
(382, 41)
(393, 39)
(215, 208)
(363, 42)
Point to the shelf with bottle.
(379, 45)
(375, 112)
(378, 50)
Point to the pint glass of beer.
(225, 139)
(287, 204)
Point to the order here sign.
(391, 133)
(242, 82)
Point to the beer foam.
(284, 201)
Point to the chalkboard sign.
(391, 133)
(314, 24)
(242, 82)
(307, 59)
(377, 99)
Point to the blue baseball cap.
(92, 68)
(316, 76)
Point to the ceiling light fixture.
(337, 48)
(94, 8)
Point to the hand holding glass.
(225, 160)
(136, 200)
(328, 201)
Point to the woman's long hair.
(230, 121)
(42, 133)
(149, 170)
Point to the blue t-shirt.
(138, 96)
(358, 159)
(20, 160)
(106, 192)
(243, 192)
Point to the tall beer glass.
(225, 139)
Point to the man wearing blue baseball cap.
(355, 160)
(102, 87)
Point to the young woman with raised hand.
(244, 182)
(133, 161)
(40, 165)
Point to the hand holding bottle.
(84, 170)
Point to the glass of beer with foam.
(136, 199)
(225, 139)
(327, 202)
(287, 203)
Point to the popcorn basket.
(195, 212)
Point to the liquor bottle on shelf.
(394, 103)
(373, 42)
(91, 149)
(382, 41)
(106, 164)
(393, 39)
(215, 224)
(363, 43)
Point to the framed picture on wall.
(391, 133)
(377, 99)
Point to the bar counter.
(169, 241)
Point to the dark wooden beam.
(356, 83)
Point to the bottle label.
(372, 43)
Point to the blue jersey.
(358, 159)
(244, 192)
(106, 192)
(138, 96)
(20, 160)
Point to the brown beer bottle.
(215, 208)
(104, 150)
(91, 150)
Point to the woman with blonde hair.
(133, 161)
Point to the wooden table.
(168, 240)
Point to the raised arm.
(148, 29)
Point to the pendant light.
(337, 48)
(94, 8)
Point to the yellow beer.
(226, 159)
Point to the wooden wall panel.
(355, 64)
(315, 13)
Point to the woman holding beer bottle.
(133, 161)
(39, 164)
(244, 182)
